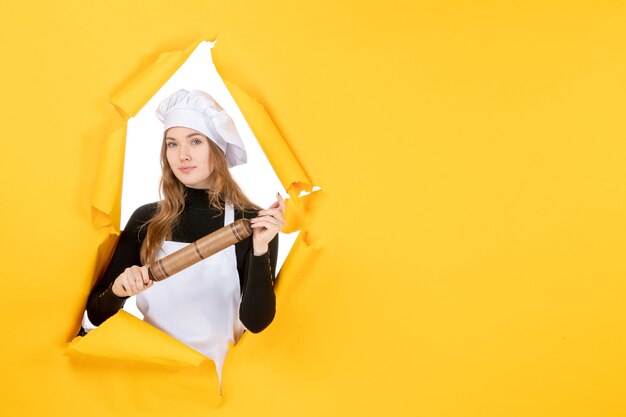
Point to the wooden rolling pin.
(199, 250)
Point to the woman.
(210, 304)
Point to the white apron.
(199, 305)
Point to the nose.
(183, 154)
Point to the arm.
(102, 302)
(258, 303)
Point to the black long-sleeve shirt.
(198, 219)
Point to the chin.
(195, 184)
(193, 181)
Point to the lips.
(185, 169)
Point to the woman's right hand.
(132, 281)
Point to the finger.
(281, 202)
(144, 275)
(275, 213)
(138, 277)
(135, 280)
(141, 272)
(129, 282)
(268, 218)
(280, 216)
(270, 226)
(271, 212)
(278, 220)
(139, 283)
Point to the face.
(188, 156)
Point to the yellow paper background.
(470, 227)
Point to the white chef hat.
(197, 110)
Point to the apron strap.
(229, 214)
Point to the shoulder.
(141, 215)
(146, 211)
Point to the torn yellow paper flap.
(138, 91)
(125, 337)
(294, 215)
(302, 254)
(106, 197)
(281, 158)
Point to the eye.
(196, 141)
(171, 144)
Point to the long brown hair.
(223, 189)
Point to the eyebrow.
(188, 136)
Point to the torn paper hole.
(145, 133)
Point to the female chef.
(211, 303)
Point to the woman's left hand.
(267, 225)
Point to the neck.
(196, 197)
